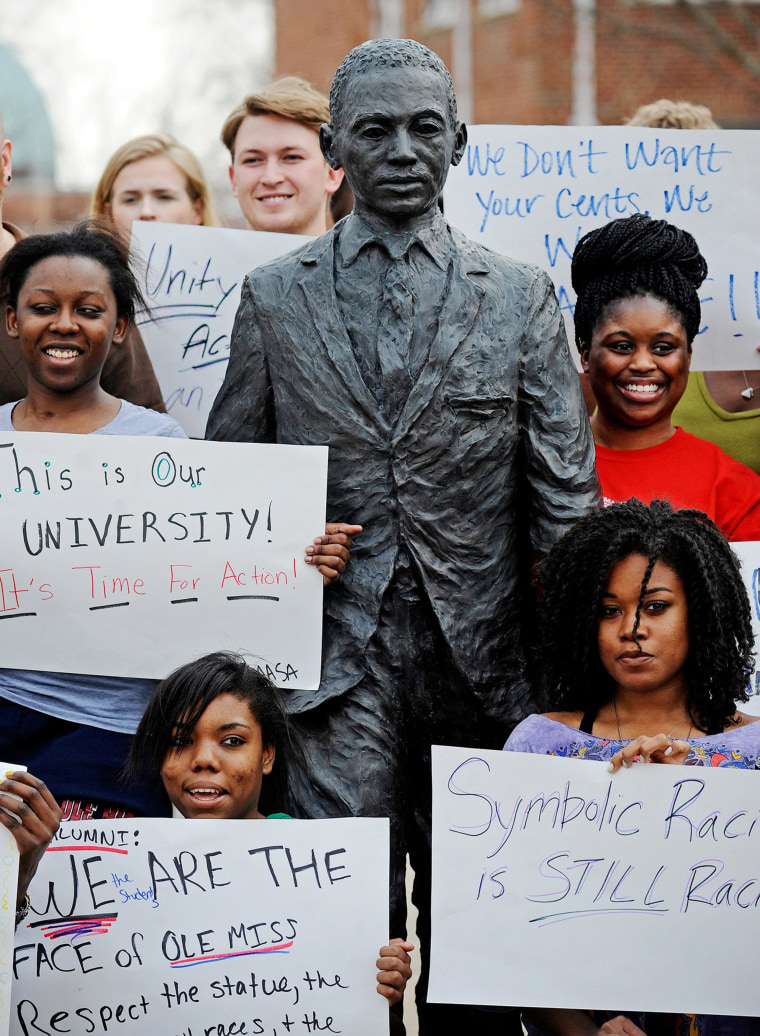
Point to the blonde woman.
(154, 177)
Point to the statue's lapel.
(458, 315)
(318, 287)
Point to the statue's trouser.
(368, 754)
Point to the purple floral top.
(738, 749)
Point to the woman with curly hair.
(636, 318)
(645, 647)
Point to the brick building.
(549, 61)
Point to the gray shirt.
(130, 420)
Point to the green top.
(738, 435)
(279, 816)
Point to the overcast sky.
(112, 69)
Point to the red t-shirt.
(689, 472)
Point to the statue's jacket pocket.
(480, 406)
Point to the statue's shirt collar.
(356, 234)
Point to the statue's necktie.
(396, 326)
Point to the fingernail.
(610, 768)
(309, 550)
(9, 773)
(668, 750)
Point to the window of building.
(495, 8)
(443, 14)
(440, 14)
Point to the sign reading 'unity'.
(191, 278)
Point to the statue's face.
(395, 141)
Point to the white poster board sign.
(532, 192)
(558, 884)
(222, 928)
(749, 556)
(127, 556)
(8, 883)
(191, 277)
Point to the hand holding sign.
(330, 553)
(657, 749)
(32, 816)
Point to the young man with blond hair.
(277, 171)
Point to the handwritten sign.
(128, 555)
(8, 883)
(192, 278)
(205, 928)
(557, 884)
(533, 191)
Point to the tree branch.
(662, 31)
(722, 39)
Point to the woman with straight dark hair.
(180, 703)
(217, 735)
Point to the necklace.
(675, 728)
(749, 391)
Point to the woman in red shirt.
(635, 320)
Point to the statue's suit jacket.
(493, 440)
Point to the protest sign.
(8, 883)
(191, 277)
(126, 556)
(749, 557)
(533, 191)
(206, 928)
(558, 884)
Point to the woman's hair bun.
(633, 243)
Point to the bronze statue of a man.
(439, 375)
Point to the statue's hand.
(330, 553)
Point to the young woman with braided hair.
(636, 317)
(645, 647)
